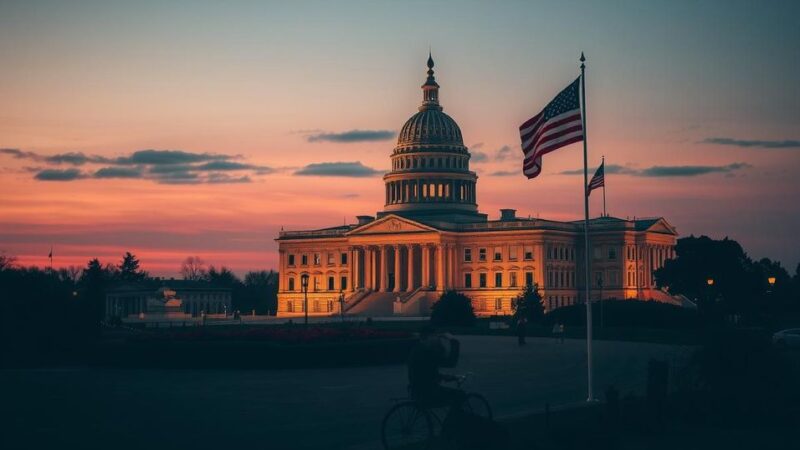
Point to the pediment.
(662, 226)
(392, 224)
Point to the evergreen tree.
(129, 268)
(528, 304)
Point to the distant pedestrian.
(558, 332)
(522, 330)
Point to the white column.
(426, 271)
(397, 278)
(384, 284)
(410, 267)
(440, 267)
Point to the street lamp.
(304, 285)
(710, 281)
(341, 304)
(771, 281)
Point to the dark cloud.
(76, 159)
(690, 171)
(338, 169)
(479, 157)
(17, 153)
(752, 143)
(233, 165)
(118, 172)
(505, 173)
(160, 166)
(352, 136)
(59, 175)
(664, 171)
(502, 153)
(476, 146)
(158, 157)
(72, 158)
(610, 168)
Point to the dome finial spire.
(430, 90)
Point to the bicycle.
(411, 424)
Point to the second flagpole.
(590, 397)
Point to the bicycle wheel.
(406, 426)
(477, 404)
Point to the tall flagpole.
(590, 397)
(604, 184)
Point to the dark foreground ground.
(293, 409)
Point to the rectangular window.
(513, 251)
(291, 283)
(316, 259)
(513, 280)
(291, 259)
(481, 254)
(598, 279)
(467, 255)
(498, 304)
(343, 259)
(482, 280)
(528, 252)
(467, 280)
(331, 284)
(498, 253)
(549, 252)
(612, 254)
(304, 259)
(528, 278)
(343, 283)
(598, 252)
(498, 279)
(331, 259)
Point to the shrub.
(453, 309)
(627, 313)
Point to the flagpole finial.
(583, 59)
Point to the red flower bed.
(293, 335)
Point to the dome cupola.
(430, 165)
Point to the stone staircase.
(374, 304)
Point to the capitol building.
(430, 237)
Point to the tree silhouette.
(528, 304)
(129, 268)
(453, 309)
(193, 268)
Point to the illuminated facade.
(430, 238)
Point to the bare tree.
(6, 261)
(193, 268)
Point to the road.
(292, 409)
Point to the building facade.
(431, 237)
(138, 299)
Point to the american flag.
(598, 180)
(558, 124)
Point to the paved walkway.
(292, 409)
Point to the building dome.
(430, 176)
(430, 127)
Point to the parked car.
(787, 338)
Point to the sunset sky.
(171, 129)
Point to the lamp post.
(304, 285)
(709, 283)
(341, 304)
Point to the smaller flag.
(598, 180)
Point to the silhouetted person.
(424, 380)
(522, 330)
